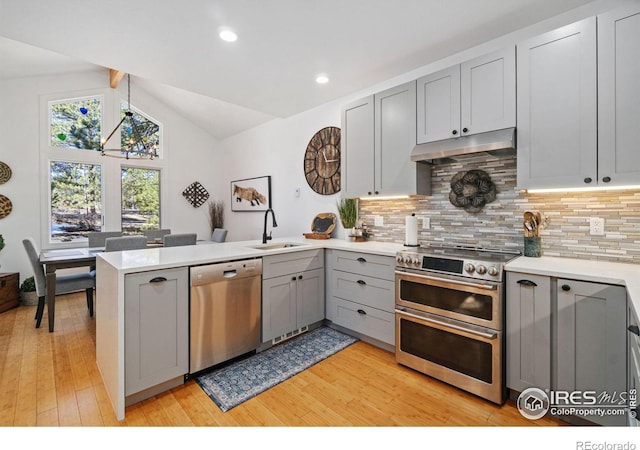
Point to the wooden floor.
(51, 379)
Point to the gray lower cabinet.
(528, 331)
(633, 366)
(292, 292)
(591, 340)
(156, 328)
(361, 293)
(566, 335)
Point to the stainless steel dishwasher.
(225, 312)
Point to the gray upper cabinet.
(619, 96)
(357, 148)
(556, 80)
(474, 97)
(578, 93)
(378, 134)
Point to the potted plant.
(28, 295)
(348, 212)
(216, 214)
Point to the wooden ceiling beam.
(114, 77)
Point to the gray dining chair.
(115, 244)
(152, 235)
(219, 235)
(175, 240)
(97, 238)
(64, 283)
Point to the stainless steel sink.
(275, 246)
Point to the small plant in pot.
(216, 215)
(348, 212)
(28, 295)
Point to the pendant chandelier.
(136, 146)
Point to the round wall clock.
(322, 161)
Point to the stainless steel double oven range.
(450, 309)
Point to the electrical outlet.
(596, 226)
(378, 221)
(426, 223)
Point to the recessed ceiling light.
(228, 35)
(322, 78)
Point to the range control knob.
(469, 268)
(481, 269)
(493, 271)
(399, 259)
(416, 261)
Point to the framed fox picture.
(251, 194)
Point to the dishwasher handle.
(220, 272)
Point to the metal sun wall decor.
(472, 190)
(196, 194)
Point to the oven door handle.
(429, 318)
(489, 287)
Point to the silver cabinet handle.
(431, 319)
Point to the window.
(76, 199)
(140, 199)
(76, 123)
(89, 191)
(148, 130)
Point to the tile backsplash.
(499, 224)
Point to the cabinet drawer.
(287, 263)
(364, 264)
(365, 290)
(363, 319)
(9, 290)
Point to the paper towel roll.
(411, 231)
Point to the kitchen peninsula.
(113, 267)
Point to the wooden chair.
(175, 240)
(115, 244)
(219, 235)
(64, 283)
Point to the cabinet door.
(591, 332)
(310, 297)
(528, 331)
(438, 105)
(278, 306)
(395, 131)
(357, 148)
(556, 108)
(156, 318)
(619, 97)
(488, 92)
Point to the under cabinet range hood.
(498, 143)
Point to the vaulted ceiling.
(172, 48)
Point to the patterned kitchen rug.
(231, 385)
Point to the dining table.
(52, 260)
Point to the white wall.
(190, 152)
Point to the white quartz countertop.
(623, 274)
(210, 252)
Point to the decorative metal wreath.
(472, 190)
(195, 194)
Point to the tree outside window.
(140, 199)
(149, 132)
(76, 123)
(76, 200)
